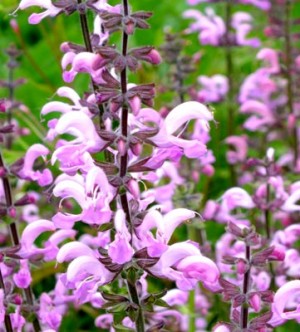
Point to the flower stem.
(88, 45)
(230, 76)
(246, 282)
(15, 238)
(192, 316)
(193, 236)
(267, 213)
(140, 321)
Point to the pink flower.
(270, 57)
(183, 263)
(287, 297)
(239, 154)
(93, 194)
(30, 234)
(214, 89)
(262, 116)
(51, 10)
(120, 250)
(179, 116)
(211, 27)
(27, 172)
(22, 278)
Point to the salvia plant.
(140, 206)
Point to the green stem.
(230, 75)
(192, 313)
(140, 322)
(192, 235)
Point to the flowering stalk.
(246, 295)
(289, 75)
(89, 48)
(8, 140)
(131, 284)
(245, 287)
(15, 236)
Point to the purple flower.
(23, 278)
(214, 89)
(287, 297)
(27, 172)
(262, 117)
(93, 194)
(51, 10)
(175, 119)
(120, 250)
(239, 154)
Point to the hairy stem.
(15, 238)
(246, 284)
(140, 322)
(289, 64)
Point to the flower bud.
(135, 104)
(137, 149)
(154, 57)
(255, 302)
(12, 212)
(241, 266)
(122, 146)
(133, 188)
(277, 254)
(14, 25)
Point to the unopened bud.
(277, 254)
(135, 104)
(137, 149)
(154, 57)
(208, 170)
(133, 188)
(241, 266)
(255, 302)
(14, 25)
(122, 146)
(17, 299)
(12, 212)
(129, 25)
